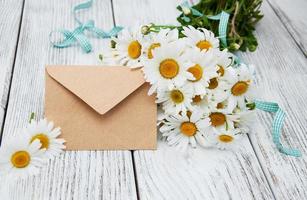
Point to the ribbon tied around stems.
(223, 17)
(78, 35)
(277, 125)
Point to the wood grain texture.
(10, 15)
(74, 175)
(294, 16)
(281, 74)
(204, 173)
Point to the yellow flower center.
(169, 68)
(217, 119)
(196, 99)
(44, 140)
(225, 138)
(239, 88)
(213, 83)
(152, 47)
(221, 70)
(134, 49)
(188, 128)
(197, 72)
(204, 44)
(177, 96)
(20, 159)
(219, 106)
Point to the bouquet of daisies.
(205, 98)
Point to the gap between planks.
(290, 26)
(12, 74)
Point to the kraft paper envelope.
(100, 107)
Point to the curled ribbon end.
(273, 107)
(290, 152)
(54, 40)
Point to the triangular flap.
(101, 87)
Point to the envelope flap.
(102, 88)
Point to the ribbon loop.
(77, 35)
(81, 6)
(278, 120)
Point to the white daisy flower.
(157, 40)
(221, 106)
(160, 115)
(218, 89)
(222, 118)
(166, 69)
(245, 120)
(203, 67)
(203, 103)
(18, 158)
(224, 138)
(177, 100)
(201, 38)
(128, 48)
(224, 61)
(108, 56)
(47, 135)
(242, 87)
(181, 130)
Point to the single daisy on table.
(201, 38)
(166, 70)
(224, 138)
(182, 130)
(242, 88)
(202, 65)
(176, 100)
(128, 49)
(47, 135)
(156, 40)
(20, 158)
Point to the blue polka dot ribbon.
(77, 35)
(223, 17)
(277, 125)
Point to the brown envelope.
(101, 107)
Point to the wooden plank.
(75, 174)
(293, 15)
(281, 74)
(205, 174)
(10, 16)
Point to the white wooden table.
(256, 171)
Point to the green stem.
(32, 116)
(165, 26)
